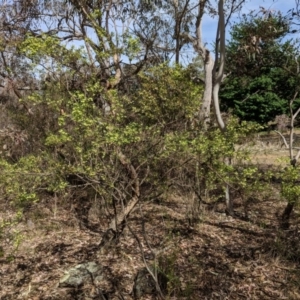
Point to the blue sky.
(210, 25)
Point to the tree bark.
(285, 217)
(218, 77)
(204, 113)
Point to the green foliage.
(39, 47)
(11, 235)
(21, 182)
(255, 44)
(151, 127)
(154, 126)
(255, 99)
(166, 96)
(44, 50)
(214, 150)
(262, 69)
(132, 46)
(290, 187)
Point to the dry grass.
(269, 149)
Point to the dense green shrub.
(262, 69)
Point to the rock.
(81, 274)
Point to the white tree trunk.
(207, 95)
(214, 73)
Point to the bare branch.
(283, 138)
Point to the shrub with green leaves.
(23, 181)
(151, 127)
(120, 152)
(167, 97)
(290, 190)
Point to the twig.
(153, 275)
(287, 269)
(249, 96)
(284, 140)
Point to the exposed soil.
(214, 257)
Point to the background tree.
(259, 63)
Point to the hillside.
(140, 161)
(214, 257)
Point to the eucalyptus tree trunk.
(285, 217)
(204, 113)
(220, 64)
(214, 73)
(217, 80)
